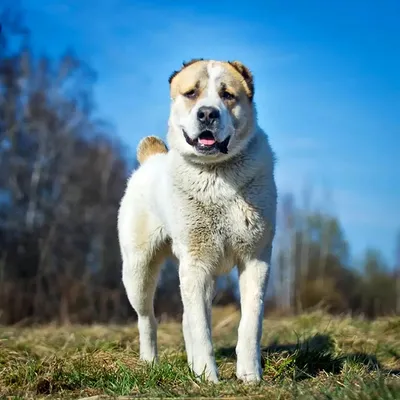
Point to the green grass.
(313, 356)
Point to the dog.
(209, 200)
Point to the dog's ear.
(184, 65)
(247, 76)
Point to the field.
(312, 356)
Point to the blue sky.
(327, 80)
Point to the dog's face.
(212, 113)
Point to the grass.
(312, 356)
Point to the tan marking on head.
(240, 106)
(194, 77)
(184, 65)
(149, 146)
(246, 77)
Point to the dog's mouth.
(206, 139)
(206, 143)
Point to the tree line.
(62, 175)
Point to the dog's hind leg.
(139, 276)
(143, 247)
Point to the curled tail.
(149, 146)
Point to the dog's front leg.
(253, 279)
(197, 289)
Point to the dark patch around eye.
(192, 92)
(226, 94)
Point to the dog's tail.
(149, 146)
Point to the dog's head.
(212, 113)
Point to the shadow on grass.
(307, 358)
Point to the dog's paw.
(149, 358)
(251, 374)
(206, 372)
(212, 377)
(207, 377)
(249, 377)
(248, 366)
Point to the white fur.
(214, 220)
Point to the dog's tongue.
(207, 141)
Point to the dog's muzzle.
(206, 143)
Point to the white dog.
(210, 201)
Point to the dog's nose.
(208, 115)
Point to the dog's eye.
(227, 95)
(190, 93)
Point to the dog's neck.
(225, 178)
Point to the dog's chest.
(223, 232)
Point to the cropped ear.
(184, 65)
(247, 76)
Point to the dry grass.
(313, 356)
